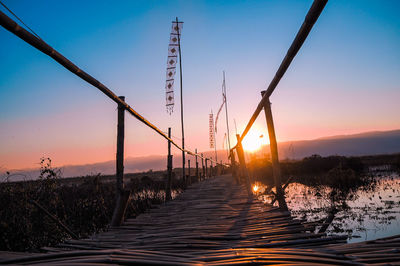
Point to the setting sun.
(253, 141)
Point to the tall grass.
(85, 207)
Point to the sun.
(253, 141)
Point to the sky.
(344, 80)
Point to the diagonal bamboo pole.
(42, 46)
(309, 21)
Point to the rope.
(9, 10)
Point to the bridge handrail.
(42, 46)
(309, 21)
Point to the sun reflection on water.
(371, 214)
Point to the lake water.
(372, 214)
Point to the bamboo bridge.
(217, 221)
(214, 222)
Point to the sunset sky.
(345, 79)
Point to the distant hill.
(368, 143)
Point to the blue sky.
(344, 80)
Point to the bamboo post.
(189, 179)
(276, 170)
(206, 173)
(202, 166)
(239, 149)
(169, 169)
(122, 195)
(197, 167)
(233, 167)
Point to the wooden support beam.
(243, 168)
(122, 196)
(169, 169)
(276, 170)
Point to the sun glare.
(253, 141)
(255, 188)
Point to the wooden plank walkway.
(214, 222)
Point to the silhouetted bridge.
(215, 221)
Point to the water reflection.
(368, 215)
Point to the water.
(371, 214)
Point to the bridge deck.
(214, 222)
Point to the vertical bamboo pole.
(276, 170)
(189, 178)
(202, 166)
(180, 79)
(122, 196)
(233, 167)
(120, 147)
(206, 173)
(242, 162)
(226, 112)
(197, 167)
(169, 169)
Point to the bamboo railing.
(123, 195)
(309, 21)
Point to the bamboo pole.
(202, 166)
(122, 195)
(55, 219)
(42, 46)
(189, 179)
(169, 169)
(206, 173)
(233, 167)
(226, 112)
(120, 146)
(309, 21)
(242, 162)
(182, 124)
(197, 167)
(276, 169)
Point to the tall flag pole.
(178, 28)
(226, 109)
(174, 51)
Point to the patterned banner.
(173, 51)
(211, 130)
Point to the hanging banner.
(211, 130)
(220, 109)
(173, 51)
